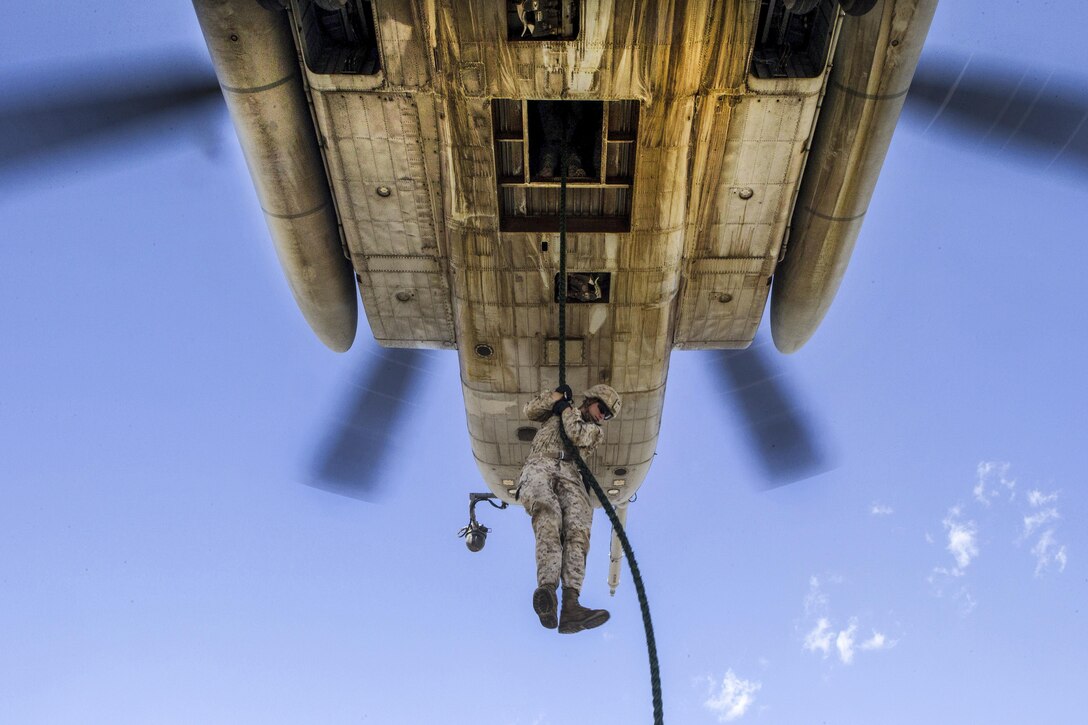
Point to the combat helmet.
(608, 395)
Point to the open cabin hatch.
(600, 138)
(793, 45)
(341, 40)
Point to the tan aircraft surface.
(409, 152)
(406, 153)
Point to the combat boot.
(545, 604)
(575, 617)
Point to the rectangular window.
(341, 40)
(586, 287)
(793, 45)
(594, 140)
(542, 19)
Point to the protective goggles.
(606, 412)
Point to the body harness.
(587, 476)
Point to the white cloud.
(733, 699)
(963, 545)
(844, 643)
(992, 476)
(816, 598)
(1036, 520)
(962, 540)
(965, 601)
(940, 580)
(879, 509)
(940, 571)
(1048, 553)
(1038, 498)
(820, 637)
(1035, 524)
(824, 636)
(878, 641)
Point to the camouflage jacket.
(583, 433)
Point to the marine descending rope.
(587, 475)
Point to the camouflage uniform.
(553, 494)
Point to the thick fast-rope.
(587, 475)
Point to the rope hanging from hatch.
(587, 475)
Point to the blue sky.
(161, 401)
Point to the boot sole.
(545, 604)
(588, 623)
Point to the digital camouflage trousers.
(553, 495)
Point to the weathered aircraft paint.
(705, 133)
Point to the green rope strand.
(587, 475)
(563, 268)
(636, 575)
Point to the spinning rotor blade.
(351, 460)
(1041, 117)
(784, 441)
(89, 112)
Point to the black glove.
(560, 405)
(566, 391)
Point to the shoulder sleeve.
(540, 407)
(582, 433)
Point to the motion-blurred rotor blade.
(351, 460)
(784, 441)
(87, 112)
(1039, 117)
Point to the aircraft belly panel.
(373, 141)
(502, 283)
(625, 49)
(749, 158)
(381, 152)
